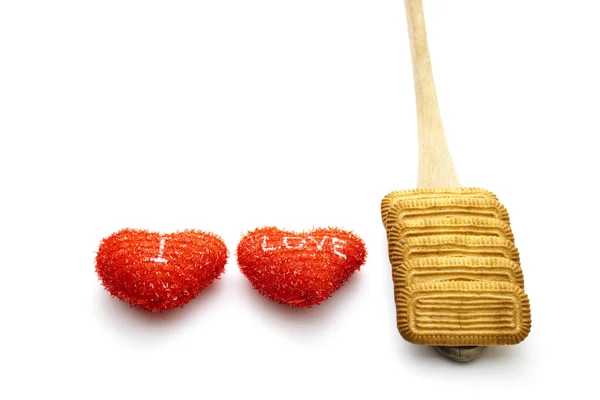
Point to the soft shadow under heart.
(307, 319)
(137, 324)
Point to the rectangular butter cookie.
(453, 313)
(428, 269)
(457, 206)
(453, 246)
(459, 225)
(391, 198)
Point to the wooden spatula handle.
(436, 168)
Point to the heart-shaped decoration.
(299, 269)
(158, 272)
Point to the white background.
(232, 114)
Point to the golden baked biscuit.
(391, 198)
(428, 269)
(457, 206)
(453, 246)
(459, 225)
(460, 313)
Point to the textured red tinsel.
(299, 269)
(132, 267)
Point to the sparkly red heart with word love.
(299, 269)
(158, 272)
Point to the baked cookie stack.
(456, 270)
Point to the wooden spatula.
(436, 169)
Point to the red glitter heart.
(159, 272)
(299, 269)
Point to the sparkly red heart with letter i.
(299, 269)
(159, 272)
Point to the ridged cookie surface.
(428, 269)
(457, 206)
(454, 313)
(452, 246)
(391, 198)
(459, 225)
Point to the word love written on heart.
(307, 243)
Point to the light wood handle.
(436, 168)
